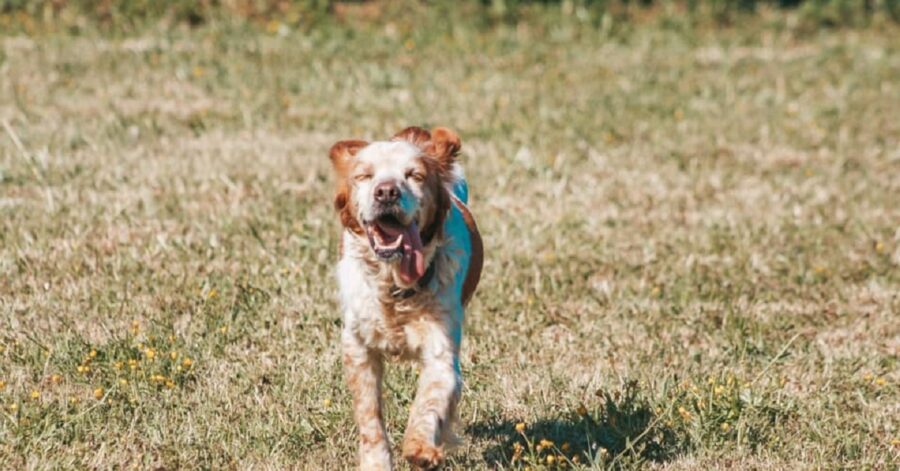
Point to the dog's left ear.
(414, 135)
(441, 143)
(445, 145)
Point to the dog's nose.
(387, 192)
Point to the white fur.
(388, 161)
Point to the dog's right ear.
(342, 153)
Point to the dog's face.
(393, 194)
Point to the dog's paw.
(422, 455)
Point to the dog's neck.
(399, 293)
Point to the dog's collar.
(401, 293)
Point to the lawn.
(692, 241)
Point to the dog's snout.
(387, 192)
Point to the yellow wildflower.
(684, 413)
(35, 394)
(93, 354)
(881, 381)
(546, 443)
(517, 451)
(520, 427)
(98, 393)
(149, 353)
(725, 426)
(123, 382)
(173, 355)
(326, 402)
(551, 459)
(187, 363)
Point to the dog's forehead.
(388, 154)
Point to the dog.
(410, 260)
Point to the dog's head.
(393, 193)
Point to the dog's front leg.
(434, 409)
(364, 369)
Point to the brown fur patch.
(445, 146)
(477, 260)
(440, 143)
(415, 135)
(341, 155)
(441, 202)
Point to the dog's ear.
(415, 135)
(342, 153)
(445, 145)
(441, 143)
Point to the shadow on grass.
(622, 431)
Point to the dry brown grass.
(684, 230)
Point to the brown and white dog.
(411, 258)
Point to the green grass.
(693, 242)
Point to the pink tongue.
(412, 265)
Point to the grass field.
(693, 242)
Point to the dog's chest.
(395, 328)
(382, 329)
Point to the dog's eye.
(362, 177)
(415, 176)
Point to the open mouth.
(392, 241)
